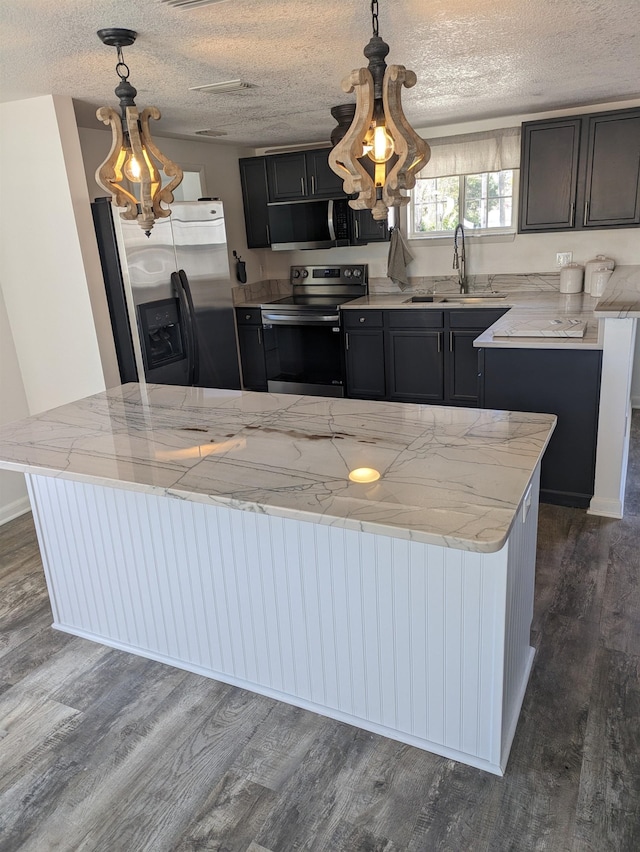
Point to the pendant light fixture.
(131, 171)
(380, 133)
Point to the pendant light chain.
(122, 69)
(374, 16)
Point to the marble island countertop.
(448, 476)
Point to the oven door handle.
(305, 319)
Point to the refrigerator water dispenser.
(160, 333)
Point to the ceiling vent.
(222, 88)
(190, 4)
(211, 133)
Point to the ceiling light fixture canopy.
(380, 132)
(133, 163)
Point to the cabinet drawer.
(475, 317)
(362, 319)
(415, 319)
(248, 316)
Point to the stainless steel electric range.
(302, 332)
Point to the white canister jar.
(599, 280)
(571, 278)
(599, 262)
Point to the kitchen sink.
(478, 297)
(462, 299)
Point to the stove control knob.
(357, 273)
(295, 273)
(347, 273)
(305, 273)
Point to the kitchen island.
(223, 532)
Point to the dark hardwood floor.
(100, 750)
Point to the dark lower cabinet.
(461, 356)
(422, 356)
(364, 354)
(561, 382)
(414, 357)
(251, 346)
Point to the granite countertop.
(453, 477)
(533, 308)
(621, 299)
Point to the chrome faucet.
(459, 259)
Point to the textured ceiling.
(474, 58)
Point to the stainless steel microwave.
(309, 224)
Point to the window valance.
(473, 153)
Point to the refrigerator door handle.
(186, 323)
(193, 331)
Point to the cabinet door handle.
(346, 340)
(586, 213)
(268, 235)
(302, 185)
(450, 341)
(313, 185)
(259, 336)
(439, 341)
(572, 217)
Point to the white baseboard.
(605, 507)
(14, 510)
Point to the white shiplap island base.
(218, 531)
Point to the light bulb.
(132, 168)
(382, 145)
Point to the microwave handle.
(330, 222)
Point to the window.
(482, 202)
(470, 179)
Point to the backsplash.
(272, 288)
(531, 283)
(261, 291)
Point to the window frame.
(470, 232)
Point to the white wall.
(222, 180)
(13, 492)
(43, 252)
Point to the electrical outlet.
(563, 258)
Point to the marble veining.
(621, 298)
(448, 284)
(449, 476)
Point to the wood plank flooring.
(100, 750)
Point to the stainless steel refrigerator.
(169, 295)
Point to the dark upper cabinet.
(612, 191)
(366, 229)
(255, 195)
(288, 177)
(297, 176)
(303, 174)
(581, 172)
(549, 174)
(322, 181)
